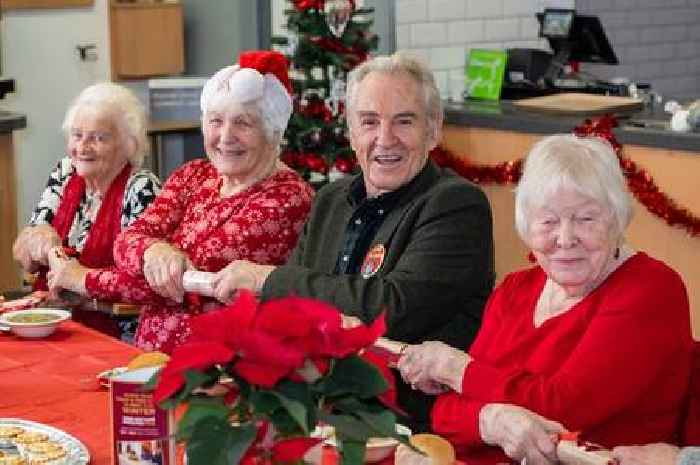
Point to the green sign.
(485, 73)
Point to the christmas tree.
(327, 38)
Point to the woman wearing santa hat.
(239, 203)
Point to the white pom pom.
(246, 85)
(214, 85)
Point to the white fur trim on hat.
(247, 85)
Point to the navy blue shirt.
(364, 223)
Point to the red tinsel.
(639, 181)
(503, 173)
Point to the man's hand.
(239, 274)
(651, 454)
(65, 273)
(521, 434)
(432, 365)
(163, 267)
(31, 248)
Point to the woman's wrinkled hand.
(65, 273)
(433, 366)
(163, 267)
(521, 433)
(239, 274)
(31, 248)
(650, 454)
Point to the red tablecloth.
(52, 381)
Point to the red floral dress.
(260, 224)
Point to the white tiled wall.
(656, 41)
(443, 31)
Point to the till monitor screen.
(557, 23)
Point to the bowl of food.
(34, 323)
(377, 448)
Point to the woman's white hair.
(398, 63)
(120, 105)
(586, 164)
(248, 91)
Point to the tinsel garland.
(639, 181)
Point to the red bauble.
(317, 108)
(344, 165)
(314, 162)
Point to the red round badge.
(373, 261)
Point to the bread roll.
(148, 359)
(438, 449)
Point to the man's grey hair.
(398, 63)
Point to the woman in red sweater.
(596, 337)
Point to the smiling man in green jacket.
(404, 237)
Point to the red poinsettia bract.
(265, 342)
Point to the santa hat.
(260, 77)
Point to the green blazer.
(438, 269)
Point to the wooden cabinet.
(146, 39)
(9, 271)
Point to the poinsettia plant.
(279, 368)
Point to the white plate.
(77, 453)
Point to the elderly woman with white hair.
(95, 191)
(241, 202)
(596, 337)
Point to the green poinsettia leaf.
(296, 409)
(378, 418)
(382, 423)
(347, 427)
(198, 409)
(284, 423)
(215, 442)
(353, 376)
(264, 402)
(195, 379)
(352, 452)
(304, 393)
(353, 404)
